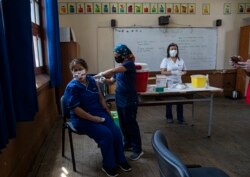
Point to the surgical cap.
(122, 49)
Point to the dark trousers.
(109, 139)
(179, 110)
(130, 127)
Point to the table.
(189, 95)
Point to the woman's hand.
(178, 73)
(108, 73)
(98, 119)
(244, 65)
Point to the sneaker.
(170, 121)
(125, 167)
(136, 156)
(111, 172)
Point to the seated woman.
(90, 115)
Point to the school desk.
(189, 95)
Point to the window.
(37, 10)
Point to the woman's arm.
(110, 72)
(168, 73)
(165, 71)
(83, 114)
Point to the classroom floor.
(228, 147)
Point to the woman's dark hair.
(79, 61)
(170, 45)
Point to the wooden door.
(244, 51)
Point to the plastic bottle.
(207, 81)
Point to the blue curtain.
(52, 30)
(17, 87)
(7, 115)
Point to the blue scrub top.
(126, 94)
(87, 97)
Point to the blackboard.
(197, 46)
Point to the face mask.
(173, 53)
(79, 75)
(119, 59)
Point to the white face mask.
(173, 53)
(79, 75)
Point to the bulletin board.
(197, 46)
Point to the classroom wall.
(17, 159)
(95, 36)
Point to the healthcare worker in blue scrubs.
(90, 115)
(124, 75)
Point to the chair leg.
(72, 150)
(63, 139)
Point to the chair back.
(169, 164)
(64, 110)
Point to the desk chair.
(171, 166)
(67, 125)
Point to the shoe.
(125, 167)
(170, 121)
(111, 172)
(136, 156)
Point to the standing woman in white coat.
(173, 67)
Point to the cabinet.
(69, 51)
(244, 51)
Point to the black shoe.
(125, 167)
(111, 172)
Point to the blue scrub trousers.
(130, 128)
(108, 137)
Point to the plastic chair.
(171, 166)
(67, 125)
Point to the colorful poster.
(71, 8)
(161, 8)
(205, 9)
(146, 8)
(154, 8)
(227, 8)
(122, 8)
(63, 8)
(97, 7)
(176, 8)
(105, 8)
(138, 8)
(89, 8)
(169, 8)
(191, 8)
(80, 8)
(241, 8)
(184, 8)
(113, 8)
(248, 8)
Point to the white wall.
(95, 36)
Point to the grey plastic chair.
(171, 166)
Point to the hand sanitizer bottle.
(207, 81)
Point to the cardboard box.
(67, 34)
